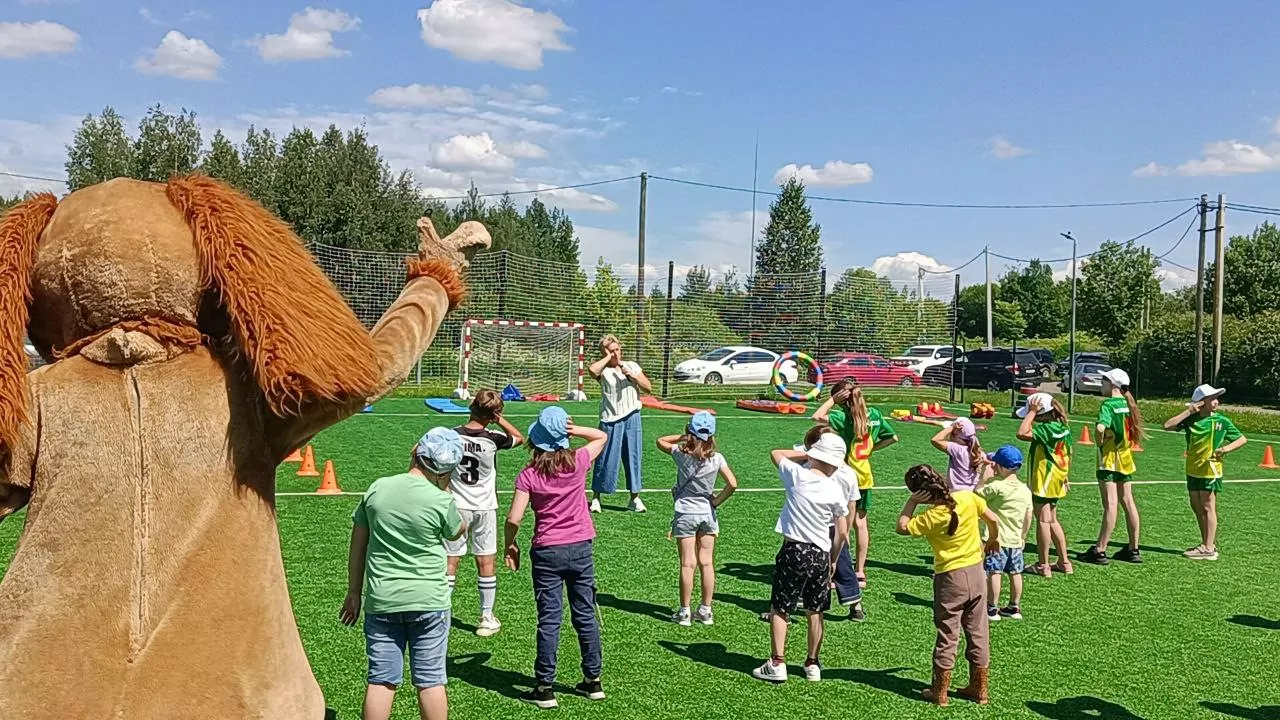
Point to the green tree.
(607, 306)
(223, 161)
(1115, 285)
(1252, 268)
(1044, 308)
(472, 207)
(972, 313)
(261, 156)
(506, 227)
(696, 284)
(100, 150)
(792, 242)
(167, 145)
(8, 202)
(1007, 320)
(299, 191)
(562, 245)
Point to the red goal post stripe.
(527, 323)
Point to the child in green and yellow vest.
(1210, 435)
(1044, 425)
(1120, 432)
(865, 431)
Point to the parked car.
(922, 357)
(1097, 358)
(867, 369)
(733, 365)
(988, 368)
(1088, 379)
(1047, 364)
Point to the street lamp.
(1071, 362)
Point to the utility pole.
(1204, 232)
(919, 304)
(1071, 364)
(755, 174)
(1218, 263)
(640, 289)
(990, 335)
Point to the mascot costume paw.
(193, 344)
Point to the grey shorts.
(691, 524)
(425, 635)
(481, 534)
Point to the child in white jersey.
(695, 524)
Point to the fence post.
(955, 336)
(502, 286)
(666, 337)
(822, 316)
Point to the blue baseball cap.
(702, 425)
(1007, 456)
(550, 432)
(439, 451)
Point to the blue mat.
(446, 406)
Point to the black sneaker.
(591, 689)
(1129, 555)
(1094, 556)
(856, 613)
(542, 697)
(1012, 612)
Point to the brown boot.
(977, 687)
(941, 684)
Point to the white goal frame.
(580, 330)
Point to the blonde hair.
(487, 406)
(697, 448)
(856, 407)
(609, 339)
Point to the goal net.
(539, 358)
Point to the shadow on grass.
(755, 606)
(473, 669)
(635, 607)
(908, 599)
(462, 625)
(1082, 708)
(1255, 621)
(750, 573)
(715, 655)
(901, 568)
(886, 680)
(1086, 544)
(1266, 712)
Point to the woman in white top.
(621, 382)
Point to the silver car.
(1088, 378)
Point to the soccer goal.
(539, 358)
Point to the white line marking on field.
(667, 491)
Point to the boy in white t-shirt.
(803, 568)
(475, 490)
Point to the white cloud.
(670, 89)
(1003, 149)
(1064, 271)
(1150, 170)
(309, 36)
(35, 148)
(190, 16)
(525, 149)
(1174, 278)
(421, 96)
(181, 57)
(499, 31)
(19, 40)
(532, 92)
(904, 267)
(149, 16)
(472, 151)
(834, 172)
(1233, 157)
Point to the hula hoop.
(780, 383)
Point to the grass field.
(1168, 639)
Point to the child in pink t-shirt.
(554, 483)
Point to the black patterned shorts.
(801, 578)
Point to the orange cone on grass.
(329, 483)
(294, 457)
(1269, 459)
(308, 468)
(1084, 436)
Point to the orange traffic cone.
(329, 483)
(936, 409)
(294, 456)
(1084, 436)
(1269, 459)
(308, 468)
(922, 409)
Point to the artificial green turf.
(1169, 639)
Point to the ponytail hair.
(1136, 431)
(855, 407)
(977, 458)
(1058, 412)
(925, 480)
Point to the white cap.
(1037, 404)
(1117, 377)
(830, 449)
(1204, 392)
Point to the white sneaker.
(682, 618)
(595, 505)
(813, 673)
(770, 672)
(489, 626)
(637, 505)
(704, 616)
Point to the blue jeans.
(623, 447)
(425, 634)
(846, 578)
(556, 568)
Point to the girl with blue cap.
(694, 524)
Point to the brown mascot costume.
(194, 345)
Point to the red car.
(869, 370)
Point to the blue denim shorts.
(1004, 560)
(424, 634)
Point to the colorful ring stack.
(780, 383)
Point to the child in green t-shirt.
(1210, 436)
(1044, 425)
(1010, 499)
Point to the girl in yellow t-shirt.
(1044, 425)
(951, 525)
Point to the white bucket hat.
(829, 449)
(1037, 404)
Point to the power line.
(972, 260)
(1254, 209)
(32, 177)
(1175, 245)
(1135, 238)
(954, 206)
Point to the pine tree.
(223, 161)
(261, 156)
(792, 243)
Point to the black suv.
(989, 369)
(1047, 364)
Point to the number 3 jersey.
(475, 481)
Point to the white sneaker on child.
(682, 618)
(595, 505)
(770, 672)
(637, 505)
(704, 616)
(813, 672)
(489, 625)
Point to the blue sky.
(978, 102)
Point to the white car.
(734, 365)
(922, 357)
